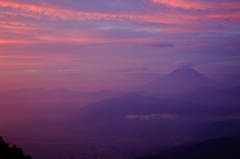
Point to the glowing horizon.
(114, 44)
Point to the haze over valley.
(120, 79)
(106, 124)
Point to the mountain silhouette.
(134, 115)
(133, 104)
(181, 80)
(220, 148)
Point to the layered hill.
(134, 114)
(208, 96)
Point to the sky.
(91, 45)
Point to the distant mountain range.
(181, 80)
(36, 95)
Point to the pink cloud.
(182, 63)
(189, 22)
(54, 12)
(153, 116)
(199, 4)
(48, 36)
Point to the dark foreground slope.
(222, 148)
(14, 152)
(219, 129)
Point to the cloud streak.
(117, 40)
(153, 116)
(200, 4)
(161, 44)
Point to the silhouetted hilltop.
(14, 152)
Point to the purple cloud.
(38, 38)
(161, 44)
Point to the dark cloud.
(141, 69)
(152, 116)
(122, 70)
(145, 76)
(161, 44)
(138, 69)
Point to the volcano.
(181, 80)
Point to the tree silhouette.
(14, 152)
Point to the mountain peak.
(184, 72)
(184, 67)
(181, 80)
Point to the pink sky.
(89, 45)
